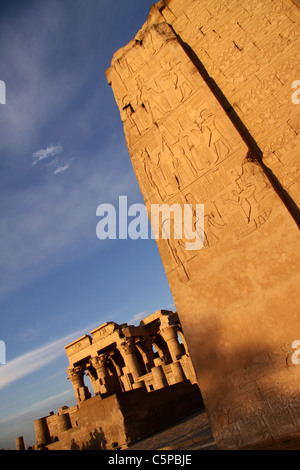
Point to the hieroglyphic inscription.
(189, 147)
(179, 148)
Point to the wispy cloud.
(61, 169)
(21, 422)
(53, 160)
(42, 154)
(34, 408)
(45, 125)
(138, 317)
(56, 216)
(38, 358)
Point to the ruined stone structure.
(205, 96)
(142, 379)
(118, 358)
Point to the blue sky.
(63, 153)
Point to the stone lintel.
(104, 330)
(155, 316)
(77, 345)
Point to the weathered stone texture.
(204, 92)
(122, 418)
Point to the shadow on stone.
(97, 441)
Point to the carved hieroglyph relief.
(252, 53)
(191, 97)
(181, 142)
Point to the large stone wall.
(118, 420)
(204, 92)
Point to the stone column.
(106, 382)
(127, 349)
(93, 378)
(162, 349)
(159, 378)
(180, 332)
(178, 372)
(41, 431)
(145, 347)
(99, 363)
(75, 375)
(20, 443)
(63, 422)
(169, 334)
(115, 360)
(112, 356)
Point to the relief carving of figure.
(151, 170)
(205, 142)
(213, 227)
(170, 164)
(213, 222)
(178, 252)
(175, 84)
(173, 88)
(248, 182)
(150, 92)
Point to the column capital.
(169, 332)
(128, 346)
(75, 374)
(98, 361)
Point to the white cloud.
(42, 154)
(138, 317)
(34, 360)
(51, 155)
(61, 169)
(46, 223)
(35, 408)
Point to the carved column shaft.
(114, 361)
(91, 374)
(106, 382)
(162, 349)
(100, 365)
(169, 333)
(127, 349)
(159, 378)
(75, 375)
(145, 347)
(178, 372)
